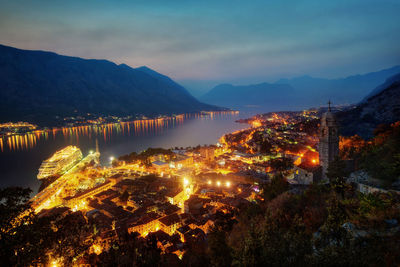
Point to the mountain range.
(298, 93)
(39, 86)
(275, 96)
(381, 106)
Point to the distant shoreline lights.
(28, 140)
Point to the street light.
(112, 158)
(218, 183)
(228, 184)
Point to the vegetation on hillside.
(145, 155)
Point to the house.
(160, 165)
(182, 231)
(176, 197)
(208, 153)
(157, 157)
(180, 161)
(148, 223)
(366, 184)
(193, 204)
(307, 173)
(169, 224)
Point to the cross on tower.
(329, 105)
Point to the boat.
(60, 162)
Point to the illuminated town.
(180, 192)
(199, 133)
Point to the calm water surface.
(21, 156)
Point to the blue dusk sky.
(202, 43)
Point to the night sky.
(202, 43)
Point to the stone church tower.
(328, 140)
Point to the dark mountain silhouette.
(304, 91)
(37, 86)
(349, 90)
(391, 80)
(275, 96)
(381, 106)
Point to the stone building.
(307, 174)
(328, 140)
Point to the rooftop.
(170, 219)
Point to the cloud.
(213, 40)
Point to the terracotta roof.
(170, 219)
(307, 166)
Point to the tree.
(277, 186)
(71, 237)
(337, 175)
(23, 236)
(337, 170)
(219, 251)
(270, 244)
(281, 164)
(335, 246)
(130, 250)
(382, 158)
(27, 239)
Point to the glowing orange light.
(96, 249)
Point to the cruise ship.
(60, 162)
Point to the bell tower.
(328, 140)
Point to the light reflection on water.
(105, 131)
(21, 155)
